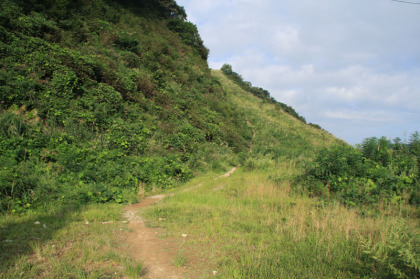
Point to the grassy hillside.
(99, 98)
(276, 133)
(254, 224)
(103, 101)
(105, 97)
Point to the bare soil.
(148, 246)
(145, 245)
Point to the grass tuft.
(180, 260)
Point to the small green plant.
(133, 269)
(37, 249)
(180, 260)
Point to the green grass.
(275, 133)
(180, 260)
(81, 242)
(248, 226)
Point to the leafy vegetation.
(98, 98)
(377, 170)
(101, 99)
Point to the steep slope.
(103, 97)
(253, 224)
(276, 133)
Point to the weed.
(180, 260)
(133, 269)
(394, 249)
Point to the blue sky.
(351, 66)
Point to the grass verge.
(248, 226)
(74, 242)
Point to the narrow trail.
(228, 173)
(145, 245)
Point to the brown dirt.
(228, 173)
(145, 245)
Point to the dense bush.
(99, 97)
(189, 35)
(376, 170)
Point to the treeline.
(376, 170)
(260, 93)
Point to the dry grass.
(248, 226)
(73, 244)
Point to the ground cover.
(248, 226)
(71, 242)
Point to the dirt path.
(144, 244)
(228, 173)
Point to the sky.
(350, 66)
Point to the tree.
(227, 69)
(414, 144)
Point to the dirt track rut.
(145, 245)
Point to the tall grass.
(249, 226)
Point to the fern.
(396, 251)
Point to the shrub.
(35, 24)
(127, 42)
(396, 252)
(107, 94)
(64, 83)
(189, 35)
(353, 178)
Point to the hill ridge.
(111, 97)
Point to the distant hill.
(99, 98)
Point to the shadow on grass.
(20, 235)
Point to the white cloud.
(286, 37)
(344, 94)
(367, 116)
(351, 66)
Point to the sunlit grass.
(180, 260)
(276, 132)
(73, 243)
(249, 226)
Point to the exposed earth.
(155, 250)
